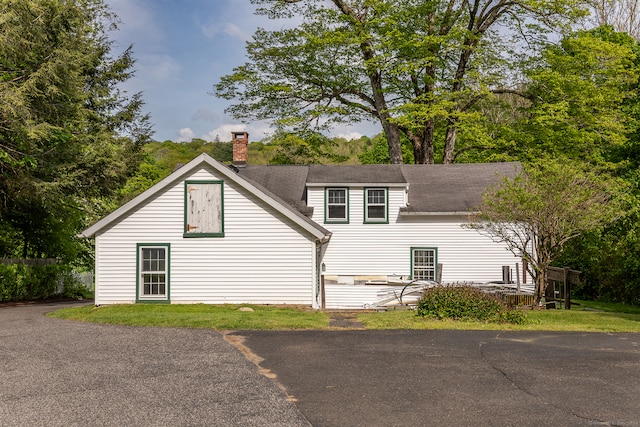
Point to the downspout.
(318, 274)
(320, 244)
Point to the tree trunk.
(449, 144)
(541, 287)
(391, 130)
(427, 143)
(392, 133)
(418, 148)
(422, 142)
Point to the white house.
(314, 235)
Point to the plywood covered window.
(203, 209)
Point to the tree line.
(69, 137)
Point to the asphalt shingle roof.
(432, 188)
(288, 182)
(355, 174)
(452, 188)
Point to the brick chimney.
(240, 142)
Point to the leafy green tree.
(609, 259)
(581, 105)
(68, 136)
(578, 102)
(542, 209)
(378, 153)
(310, 148)
(419, 68)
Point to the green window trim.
(336, 199)
(144, 267)
(376, 205)
(427, 263)
(196, 217)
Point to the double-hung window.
(376, 205)
(153, 272)
(424, 263)
(336, 205)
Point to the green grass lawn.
(225, 316)
(587, 317)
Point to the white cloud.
(224, 132)
(185, 135)
(348, 136)
(356, 130)
(212, 30)
(237, 32)
(257, 131)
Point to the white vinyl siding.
(364, 249)
(262, 259)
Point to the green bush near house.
(465, 303)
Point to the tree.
(310, 148)
(578, 94)
(417, 67)
(68, 136)
(543, 208)
(378, 152)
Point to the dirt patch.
(344, 320)
(238, 342)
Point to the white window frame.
(424, 270)
(329, 203)
(143, 272)
(384, 204)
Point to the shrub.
(20, 282)
(465, 303)
(73, 288)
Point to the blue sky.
(182, 48)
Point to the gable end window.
(153, 272)
(336, 205)
(376, 205)
(203, 209)
(424, 263)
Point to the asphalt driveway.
(455, 378)
(62, 373)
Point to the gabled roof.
(432, 189)
(205, 161)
